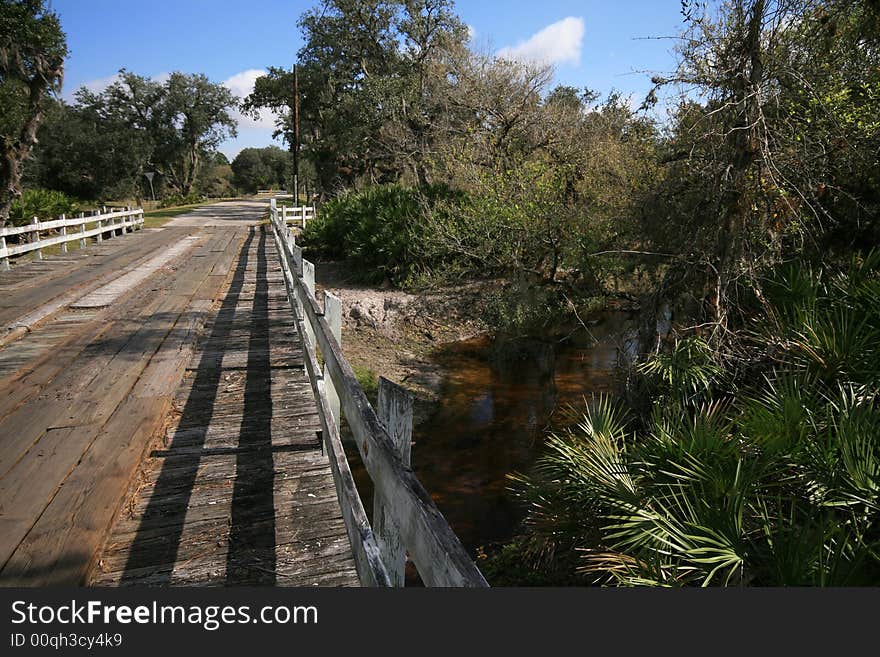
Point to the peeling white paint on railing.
(409, 521)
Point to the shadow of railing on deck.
(251, 555)
(251, 549)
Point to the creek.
(497, 407)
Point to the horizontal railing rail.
(115, 222)
(298, 215)
(405, 518)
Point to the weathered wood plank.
(395, 410)
(60, 547)
(246, 425)
(437, 553)
(31, 286)
(333, 315)
(370, 567)
(61, 544)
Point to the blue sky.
(600, 44)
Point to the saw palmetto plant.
(769, 477)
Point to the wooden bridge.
(170, 408)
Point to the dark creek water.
(495, 412)
(493, 418)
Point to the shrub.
(375, 228)
(178, 199)
(45, 204)
(769, 475)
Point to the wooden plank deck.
(239, 492)
(86, 394)
(31, 284)
(75, 420)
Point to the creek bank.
(483, 406)
(395, 334)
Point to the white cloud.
(471, 32)
(559, 43)
(99, 84)
(242, 84)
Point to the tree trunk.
(15, 153)
(190, 171)
(744, 147)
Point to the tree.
(780, 148)
(103, 144)
(216, 177)
(731, 480)
(191, 118)
(260, 168)
(32, 52)
(370, 79)
(88, 153)
(749, 451)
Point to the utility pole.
(295, 144)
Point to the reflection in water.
(483, 410)
(492, 420)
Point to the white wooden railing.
(405, 518)
(298, 215)
(66, 230)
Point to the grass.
(368, 380)
(53, 250)
(289, 202)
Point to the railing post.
(304, 217)
(298, 260)
(308, 276)
(333, 315)
(64, 234)
(395, 411)
(36, 238)
(4, 261)
(100, 234)
(82, 229)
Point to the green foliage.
(505, 566)
(32, 52)
(372, 82)
(178, 199)
(374, 228)
(753, 459)
(684, 371)
(32, 46)
(41, 203)
(541, 215)
(368, 380)
(103, 144)
(261, 168)
(88, 154)
(524, 310)
(769, 476)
